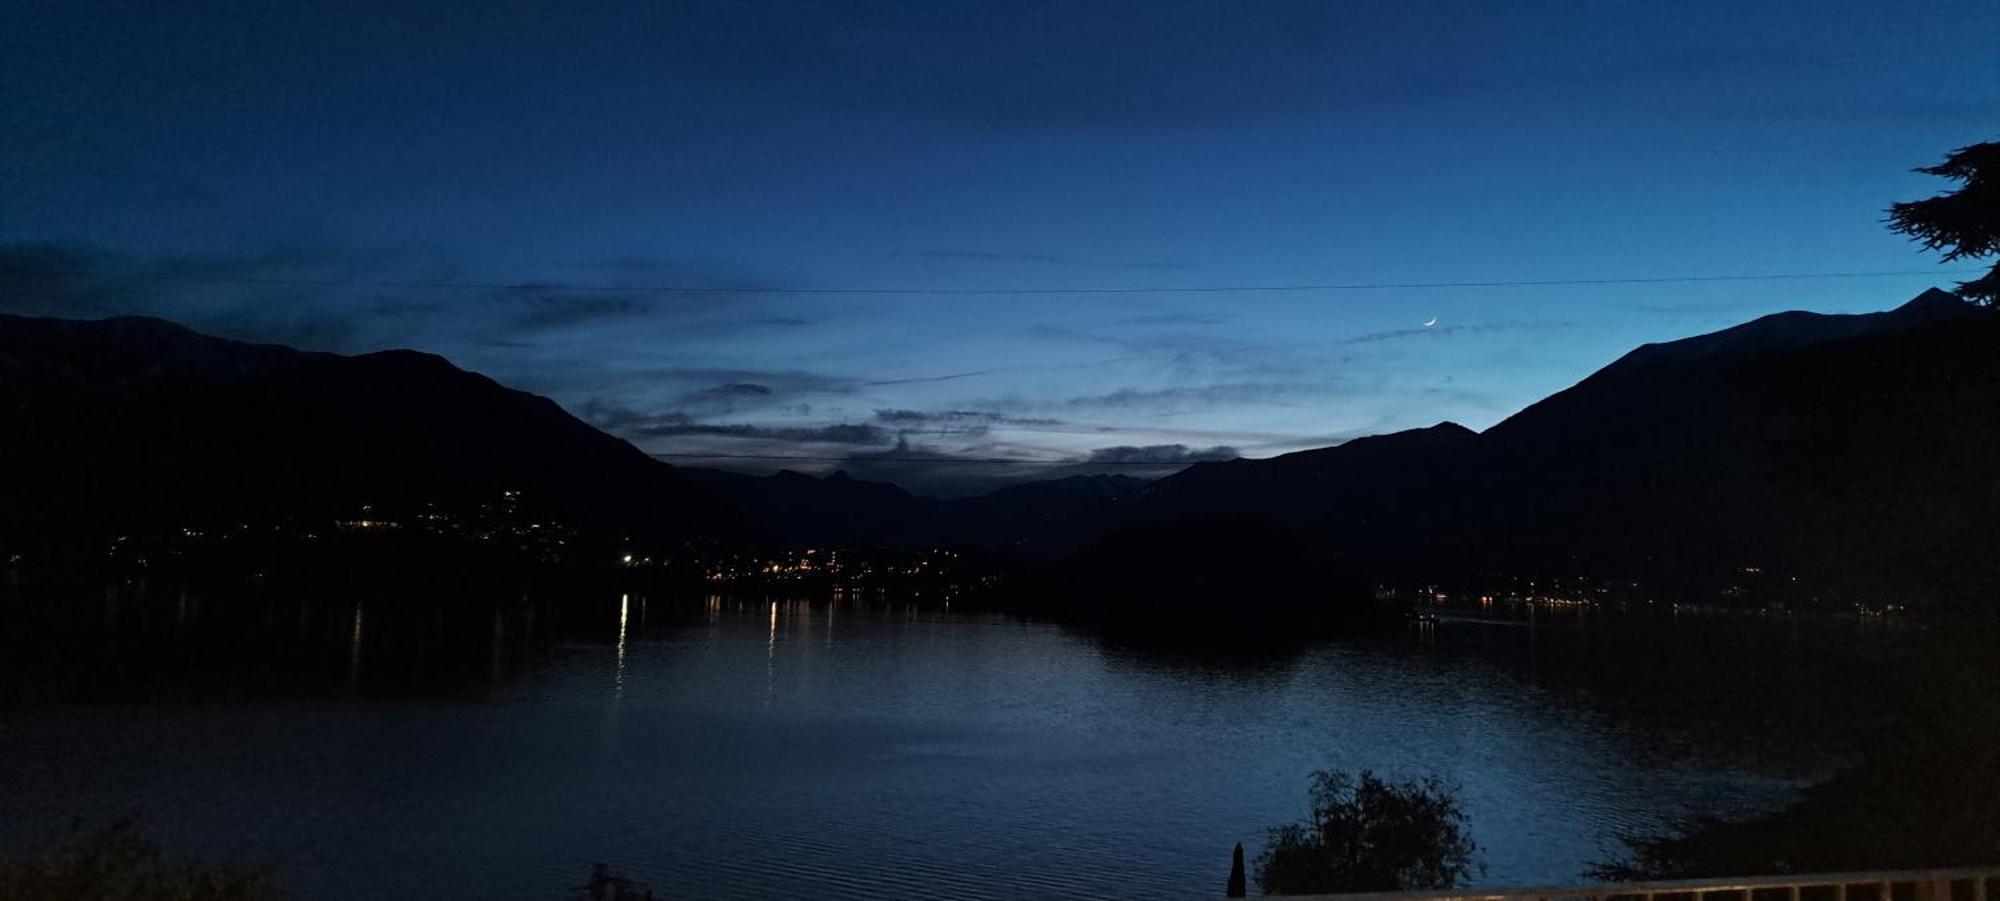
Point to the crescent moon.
(1433, 321)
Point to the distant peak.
(1934, 301)
(405, 357)
(152, 323)
(1443, 431)
(1798, 328)
(1444, 434)
(840, 475)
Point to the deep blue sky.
(167, 158)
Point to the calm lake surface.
(724, 748)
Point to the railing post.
(1925, 885)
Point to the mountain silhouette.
(840, 511)
(836, 511)
(135, 424)
(1858, 453)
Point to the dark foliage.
(1370, 835)
(1925, 809)
(1921, 795)
(1965, 223)
(118, 863)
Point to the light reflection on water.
(624, 610)
(354, 650)
(753, 749)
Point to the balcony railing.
(1975, 884)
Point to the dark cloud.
(1232, 393)
(544, 308)
(617, 398)
(906, 451)
(1038, 259)
(747, 397)
(1706, 308)
(1431, 332)
(739, 389)
(690, 323)
(637, 424)
(263, 298)
(592, 351)
(714, 380)
(1443, 330)
(839, 433)
(640, 270)
(729, 310)
(952, 377)
(1176, 318)
(918, 417)
(940, 472)
(969, 464)
(1161, 453)
(900, 416)
(48, 280)
(340, 300)
(1193, 349)
(613, 417)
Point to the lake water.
(385, 748)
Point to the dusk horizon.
(932, 471)
(1000, 449)
(1571, 180)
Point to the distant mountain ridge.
(1799, 328)
(837, 510)
(1858, 452)
(1861, 451)
(135, 424)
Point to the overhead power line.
(1137, 289)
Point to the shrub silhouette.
(118, 863)
(1369, 835)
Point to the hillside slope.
(1861, 453)
(137, 424)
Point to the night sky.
(495, 182)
